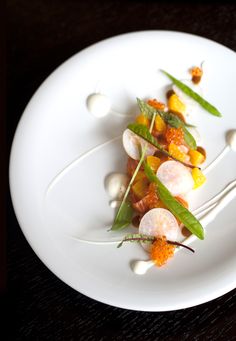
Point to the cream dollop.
(98, 104)
(231, 139)
(115, 185)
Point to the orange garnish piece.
(161, 251)
(154, 162)
(140, 176)
(156, 104)
(175, 135)
(196, 73)
(142, 119)
(176, 153)
(140, 188)
(160, 125)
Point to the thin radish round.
(132, 144)
(176, 177)
(160, 222)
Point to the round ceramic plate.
(56, 128)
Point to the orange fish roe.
(161, 251)
(175, 135)
(155, 104)
(196, 73)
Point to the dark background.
(41, 34)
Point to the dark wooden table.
(41, 35)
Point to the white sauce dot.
(115, 185)
(99, 105)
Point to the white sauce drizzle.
(231, 145)
(76, 161)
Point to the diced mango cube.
(154, 162)
(198, 177)
(160, 124)
(176, 153)
(140, 176)
(140, 188)
(175, 104)
(142, 119)
(196, 158)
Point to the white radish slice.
(176, 177)
(132, 143)
(160, 222)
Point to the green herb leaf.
(142, 131)
(146, 109)
(169, 118)
(180, 212)
(176, 122)
(188, 91)
(137, 237)
(123, 217)
(189, 139)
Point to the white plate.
(56, 128)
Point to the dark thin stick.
(174, 158)
(179, 244)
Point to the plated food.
(163, 167)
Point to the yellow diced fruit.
(198, 177)
(160, 124)
(140, 188)
(142, 119)
(196, 157)
(140, 176)
(153, 162)
(175, 104)
(176, 153)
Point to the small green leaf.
(180, 212)
(188, 91)
(171, 119)
(189, 139)
(146, 109)
(123, 217)
(142, 131)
